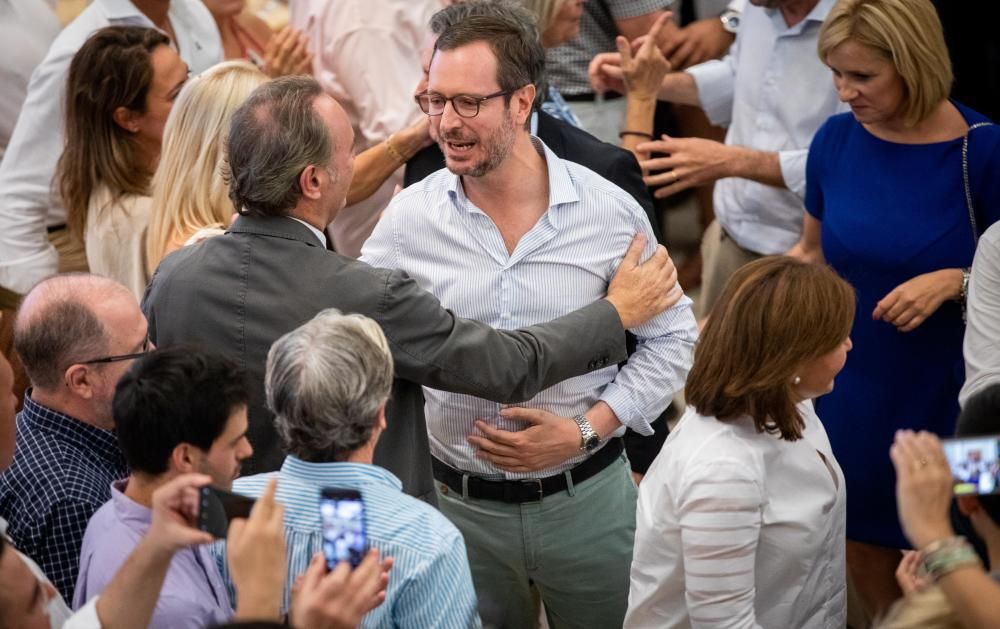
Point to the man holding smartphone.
(328, 383)
(176, 411)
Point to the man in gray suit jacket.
(290, 163)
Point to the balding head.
(60, 323)
(66, 321)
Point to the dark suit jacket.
(237, 293)
(570, 143)
(620, 168)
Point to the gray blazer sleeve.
(434, 347)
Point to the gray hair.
(56, 325)
(325, 382)
(273, 136)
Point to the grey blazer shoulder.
(237, 293)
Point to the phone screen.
(217, 507)
(975, 463)
(342, 514)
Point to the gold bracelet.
(393, 151)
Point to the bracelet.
(393, 151)
(947, 555)
(641, 134)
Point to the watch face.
(592, 443)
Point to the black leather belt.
(529, 489)
(55, 228)
(589, 97)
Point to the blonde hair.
(545, 12)
(929, 609)
(908, 33)
(189, 192)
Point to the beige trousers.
(721, 257)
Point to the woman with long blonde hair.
(189, 192)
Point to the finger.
(681, 56)
(902, 319)
(235, 532)
(674, 188)
(264, 507)
(661, 163)
(658, 25)
(884, 305)
(508, 464)
(625, 50)
(497, 435)
(314, 573)
(634, 252)
(912, 324)
(532, 415)
(366, 579)
(656, 146)
(491, 447)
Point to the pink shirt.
(367, 57)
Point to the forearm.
(130, 598)
(760, 166)
(639, 112)
(974, 596)
(679, 87)
(373, 166)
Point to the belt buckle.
(537, 482)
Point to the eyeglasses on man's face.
(466, 106)
(147, 346)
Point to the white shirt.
(982, 330)
(27, 201)
(366, 55)
(773, 92)
(738, 529)
(453, 249)
(27, 28)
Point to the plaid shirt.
(62, 473)
(566, 65)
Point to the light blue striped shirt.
(430, 584)
(450, 247)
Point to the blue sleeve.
(984, 164)
(814, 172)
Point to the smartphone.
(342, 516)
(216, 507)
(975, 464)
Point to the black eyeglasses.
(114, 359)
(464, 105)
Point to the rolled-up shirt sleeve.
(793, 170)
(716, 81)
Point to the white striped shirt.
(453, 249)
(430, 584)
(737, 529)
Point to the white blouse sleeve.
(720, 511)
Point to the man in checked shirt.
(510, 234)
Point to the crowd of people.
(412, 251)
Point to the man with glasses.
(509, 234)
(76, 335)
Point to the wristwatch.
(730, 21)
(588, 438)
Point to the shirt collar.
(818, 14)
(89, 438)
(561, 188)
(320, 235)
(346, 475)
(129, 512)
(122, 9)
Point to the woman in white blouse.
(741, 519)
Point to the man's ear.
(126, 119)
(184, 458)
(79, 380)
(309, 181)
(524, 100)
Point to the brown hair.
(908, 33)
(773, 315)
(112, 69)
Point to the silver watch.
(730, 21)
(589, 440)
